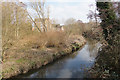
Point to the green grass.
(20, 60)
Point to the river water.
(74, 65)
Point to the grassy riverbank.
(23, 58)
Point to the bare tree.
(15, 23)
(40, 9)
(34, 23)
(92, 15)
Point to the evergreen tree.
(109, 21)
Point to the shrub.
(48, 39)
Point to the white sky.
(61, 10)
(65, 10)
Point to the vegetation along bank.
(31, 55)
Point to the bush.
(55, 38)
(48, 39)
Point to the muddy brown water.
(74, 65)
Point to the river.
(74, 65)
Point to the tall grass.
(45, 40)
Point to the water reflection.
(93, 47)
(72, 66)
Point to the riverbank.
(25, 59)
(107, 63)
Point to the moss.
(20, 60)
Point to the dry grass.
(37, 41)
(43, 40)
(55, 38)
(49, 39)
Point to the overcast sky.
(65, 10)
(61, 10)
